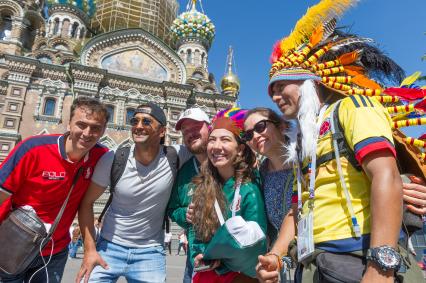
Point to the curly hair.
(209, 188)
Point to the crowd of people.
(317, 186)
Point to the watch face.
(388, 257)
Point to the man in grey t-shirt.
(132, 236)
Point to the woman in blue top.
(265, 133)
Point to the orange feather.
(349, 58)
(316, 36)
(354, 70)
(363, 81)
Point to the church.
(122, 52)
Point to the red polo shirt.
(38, 173)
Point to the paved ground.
(175, 268)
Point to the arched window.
(49, 107)
(189, 57)
(55, 26)
(129, 114)
(5, 28)
(74, 29)
(110, 110)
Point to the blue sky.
(252, 27)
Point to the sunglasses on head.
(145, 121)
(259, 128)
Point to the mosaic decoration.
(134, 63)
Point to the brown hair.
(209, 187)
(268, 113)
(92, 104)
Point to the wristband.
(280, 263)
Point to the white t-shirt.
(168, 237)
(135, 216)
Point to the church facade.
(53, 51)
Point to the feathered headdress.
(351, 65)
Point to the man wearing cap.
(132, 236)
(193, 123)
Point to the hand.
(198, 260)
(190, 213)
(375, 274)
(267, 269)
(90, 260)
(415, 195)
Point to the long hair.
(209, 187)
(309, 107)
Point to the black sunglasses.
(259, 128)
(145, 121)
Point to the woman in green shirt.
(228, 182)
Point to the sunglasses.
(145, 122)
(259, 128)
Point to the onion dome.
(230, 83)
(193, 26)
(87, 6)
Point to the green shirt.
(181, 197)
(251, 208)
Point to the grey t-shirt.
(135, 216)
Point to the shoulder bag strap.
(234, 204)
(58, 218)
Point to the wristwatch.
(385, 257)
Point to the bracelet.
(280, 263)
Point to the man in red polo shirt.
(39, 173)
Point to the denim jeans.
(73, 248)
(55, 270)
(187, 276)
(142, 265)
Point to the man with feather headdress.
(349, 191)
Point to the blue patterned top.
(277, 195)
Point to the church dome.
(87, 6)
(193, 25)
(230, 83)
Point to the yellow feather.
(411, 79)
(315, 16)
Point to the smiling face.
(85, 129)
(223, 149)
(286, 96)
(267, 141)
(146, 130)
(195, 135)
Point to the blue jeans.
(55, 270)
(187, 276)
(142, 265)
(74, 248)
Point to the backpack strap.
(173, 159)
(342, 145)
(117, 169)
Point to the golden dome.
(230, 83)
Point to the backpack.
(119, 164)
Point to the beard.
(197, 147)
(305, 128)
